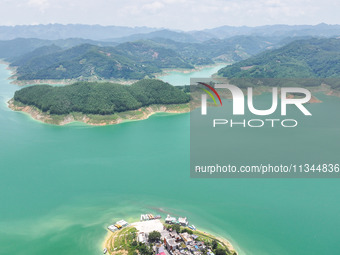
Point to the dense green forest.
(74, 59)
(100, 98)
(85, 59)
(217, 50)
(310, 62)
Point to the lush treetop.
(100, 98)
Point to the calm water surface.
(61, 186)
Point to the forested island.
(99, 103)
(303, 63)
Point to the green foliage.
(144, 249)
(176, 227)
(154, 236)
(189, 231)
(220, 251)
(152, 53)
(128, 61)
(214, 244)
(83, 59)
(100, 98)
(227, 50)
(303, 62)
(124, 238)
(185, 88)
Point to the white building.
(122, 223)
(183, 221)
(169, 219)
(112, 228)
(141, 237)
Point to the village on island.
(152, 236)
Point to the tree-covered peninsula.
(100, 102)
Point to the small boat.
(193, 227)
(112, 228)
(105, 250)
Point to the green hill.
(128, 61)
(80, 59)
(100, 98)
(41, 51)
(227, 50)
(149, 52)
(83, 61)
(318, 58)
(74, 59)
(11, 50)
(314, 59)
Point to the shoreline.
(66, 81)
(323, 88)
(135, 115)
(15, 81)
(225, 241)
(108, 241)
(94, 119)
(12, 70)
(141, 113)
(167, 71)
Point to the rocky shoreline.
(97, 120)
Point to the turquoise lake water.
(60, 187)
(183, 78)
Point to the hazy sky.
(176, 14)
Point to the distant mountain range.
(224, 32)
(123, 34)
(59, 31)
(320, 30)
